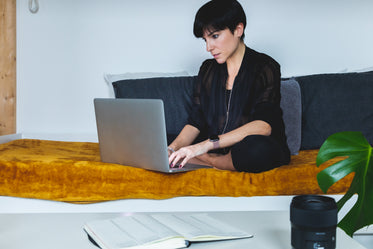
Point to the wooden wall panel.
(7, 67)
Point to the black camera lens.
(313, 222)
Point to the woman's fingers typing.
(181, 156)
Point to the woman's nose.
(208, 46)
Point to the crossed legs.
(255, 153)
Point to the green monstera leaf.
(359, 153)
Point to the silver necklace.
(227, 114)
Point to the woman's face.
(222, 44)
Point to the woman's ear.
(239, 30)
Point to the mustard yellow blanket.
(72, 172)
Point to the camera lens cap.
(313, 211)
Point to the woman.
(236, 100)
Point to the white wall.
(64, 50)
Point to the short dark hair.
(218, 15)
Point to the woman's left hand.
(184, 154)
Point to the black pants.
(258, 153)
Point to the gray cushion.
(176, 93)
(292, 113)
(333, 103)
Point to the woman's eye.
(215, 36)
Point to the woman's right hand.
(170, 150)
(183, 155)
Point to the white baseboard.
(178, 204)
(11, 137)
(68, 137)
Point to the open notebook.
(163, 231)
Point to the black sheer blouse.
(255, 96)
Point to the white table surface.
(271, 230)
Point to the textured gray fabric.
(176, 93)
(333, 103)
(292, 113)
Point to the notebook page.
(131, 231)
(201, 227)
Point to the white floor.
(365, 240)
(271, 229)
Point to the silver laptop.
(132, 132)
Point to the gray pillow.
(333, 103)
(292, 113)
(176, 93)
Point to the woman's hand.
(184, 154)
(170, 150)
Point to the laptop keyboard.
(187, 167)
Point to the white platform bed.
(177, 204)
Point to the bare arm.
(257, 127)
(184, 154)
(186, 137)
